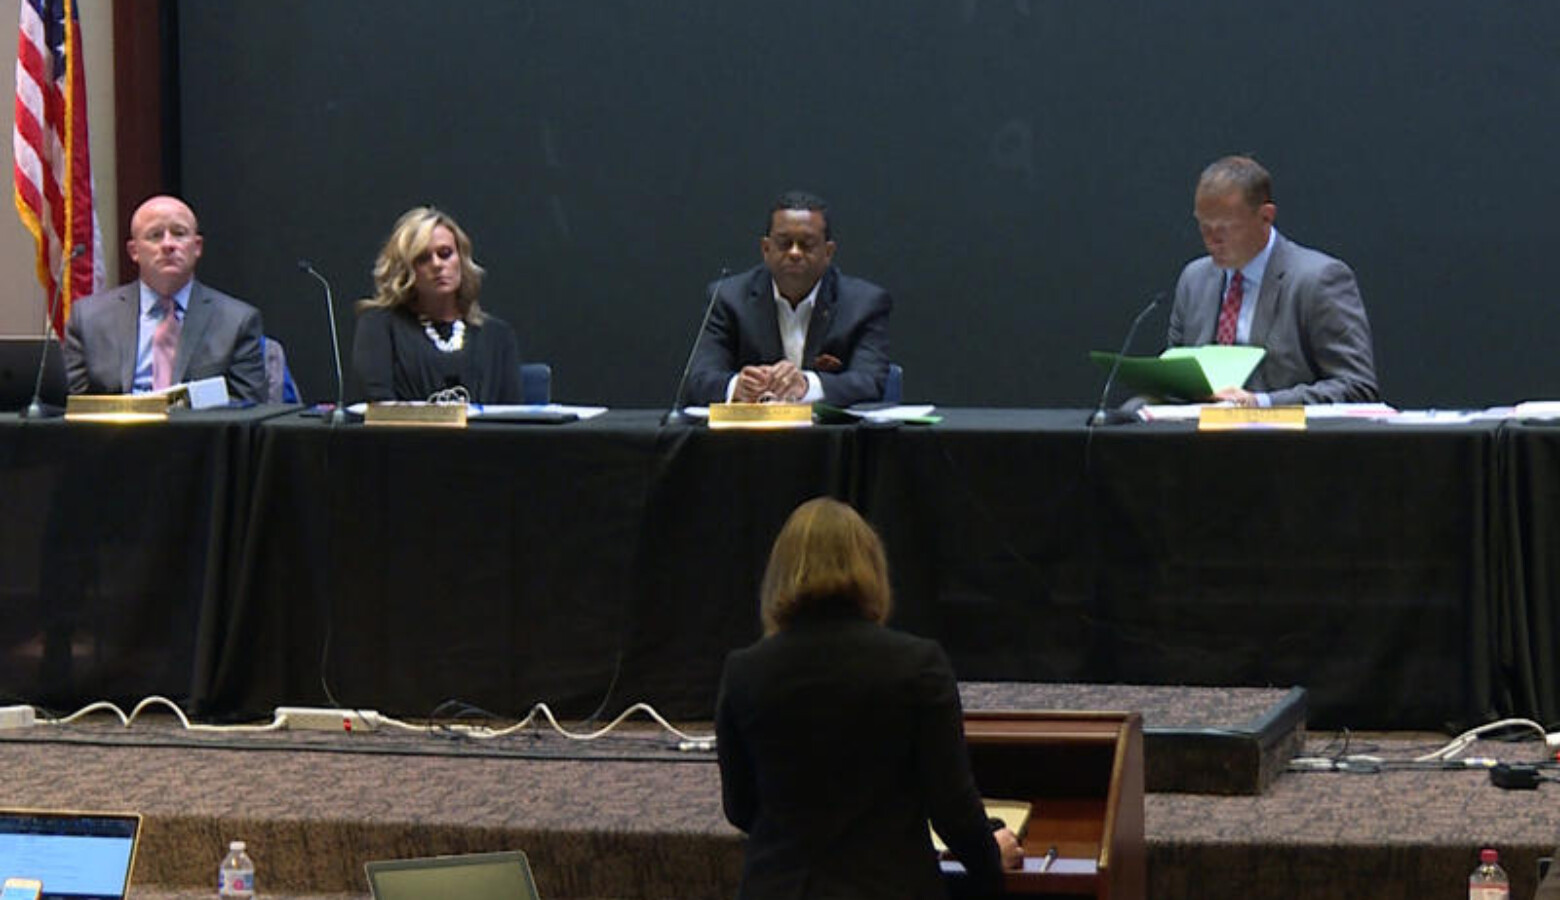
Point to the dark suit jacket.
(849, 322)
(221, 336)
(394, 360)
(1309, 316)
(838, 740)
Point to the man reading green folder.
(1259, 289)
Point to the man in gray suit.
(165, 328)
(1257, 287)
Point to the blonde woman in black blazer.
(839, 738)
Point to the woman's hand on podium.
(1007, 844)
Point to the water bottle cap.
(239, 845)
(1488, 857)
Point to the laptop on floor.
(19, 372)
(77, 855)
(474, 876)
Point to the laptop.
(19, 372)
(475, 876)
(77, 855)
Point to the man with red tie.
(165, 328)
(1259, 288)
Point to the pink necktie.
(165, 344)
(1229, 313)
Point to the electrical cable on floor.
(1458, 744)
(484, 732)
(276, 724)
(279, 722)
(1446, 757)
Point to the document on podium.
(1189, 373)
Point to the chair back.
(536, 382)
(894, 385)
(279, 384)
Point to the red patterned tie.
(1229, 313)
(165, 344)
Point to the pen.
(1050, 857)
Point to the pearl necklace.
(457, 335)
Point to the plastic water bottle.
(1488, 881)
(236, 875)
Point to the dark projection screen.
(1017, 172)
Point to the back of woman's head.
(826, 557)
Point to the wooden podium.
(1083, 771)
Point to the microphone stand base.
(1112, 417)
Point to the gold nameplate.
(124, 408)
(761, 415)
(416, 415)
(1232, 418)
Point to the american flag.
(53, 173)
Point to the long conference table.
(241, 560)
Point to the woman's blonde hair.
(825, 556)
(395, 273)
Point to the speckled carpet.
(632, 816)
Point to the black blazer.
(849, 323)
(393, 359)
(838, 740)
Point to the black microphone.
(676, 413)
(338, 416)
(34, 409)
(1102, 416)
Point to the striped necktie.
(165, 344)
(1229, 313)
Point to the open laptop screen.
(477, 876)
(77, 855)
(19, 372)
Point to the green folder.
(1186, 373)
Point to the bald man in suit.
(1301, 305)
(112, 338)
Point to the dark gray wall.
(1017, 172)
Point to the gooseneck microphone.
(34, 409)
(1102, 416)
(676, 413)
(338, 416)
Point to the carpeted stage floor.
(632, 816)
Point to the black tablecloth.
(1353, 559)
(116, 545)
(1527, 625)
(1401, 574)
(508, 564)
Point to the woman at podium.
(423, 335)
(839, 738)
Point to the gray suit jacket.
(1309, 317)
(221, 336)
